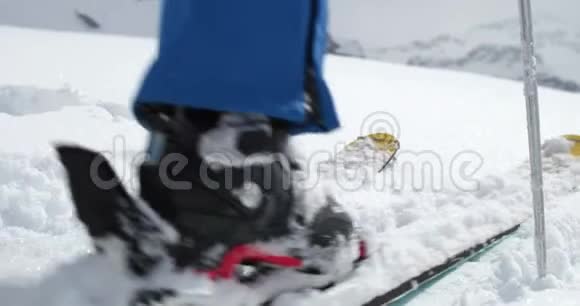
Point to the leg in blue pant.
(231, 82)
(256, 56)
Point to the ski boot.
(217, 197)
(224, 181)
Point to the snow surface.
(470, 129)
(419, 230)
(494, 48)
(470, 35)
(132, 17)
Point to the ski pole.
(533, 118)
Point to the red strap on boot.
(363, 251)
(242, 253)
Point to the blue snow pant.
(250, 56)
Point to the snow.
(106, 68)
(506, 275)
(372, 22)
(494, 48)
(376, 22)
(470, 35)
(469, 131)
(132, 17)
(445, 223)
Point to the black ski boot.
(217, 197)
(224, 181)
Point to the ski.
(405, 292)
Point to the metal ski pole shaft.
(533, 117)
